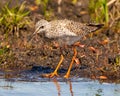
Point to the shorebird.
(67, 32)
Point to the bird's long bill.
(34, 33)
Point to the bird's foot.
(55, 71)
(53, 74)
(66, 76)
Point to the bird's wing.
(75, 27)
(82, 29)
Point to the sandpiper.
(67, 32)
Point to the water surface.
(80, 87)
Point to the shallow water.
(80, 87)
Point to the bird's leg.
(55, 71)
(69, 69)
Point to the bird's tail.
(95, 27)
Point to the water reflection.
(7, 85)
(55, 88)
(58, 88)
(70, 84)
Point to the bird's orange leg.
(69, 69)
(55, 71)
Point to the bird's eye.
(41, 27)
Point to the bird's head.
(41, 26)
